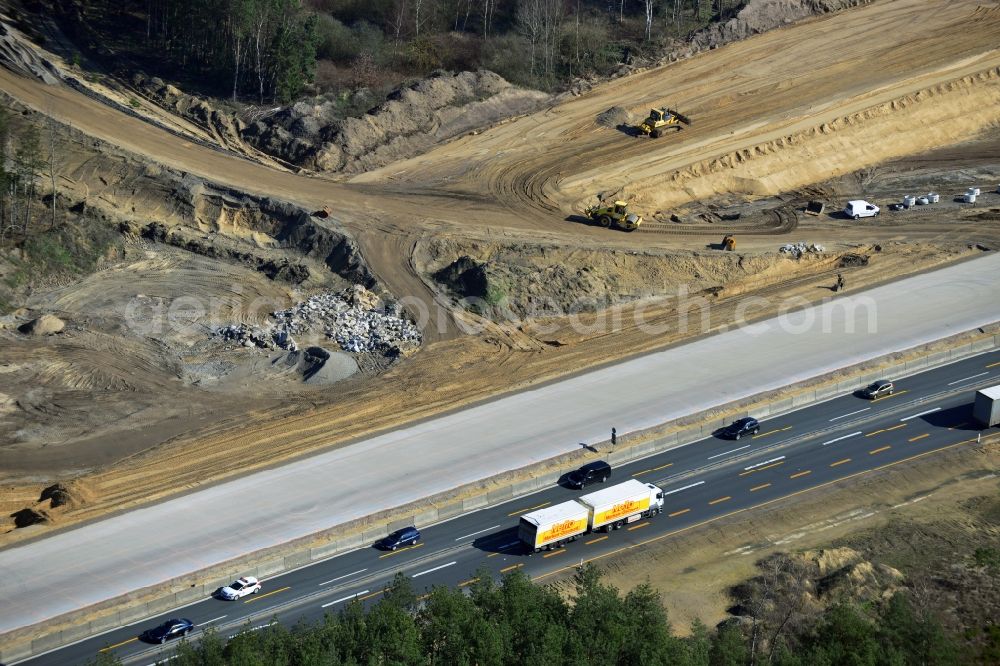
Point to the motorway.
(810, 448)
(133, 550)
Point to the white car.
(239, 588)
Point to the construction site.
(248, 311)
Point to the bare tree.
(50, 127)
(489, 7)
(650, 6)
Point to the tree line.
(259, 50)
(514, 621)
(262, 51)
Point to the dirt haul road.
(781, 110)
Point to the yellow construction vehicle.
(729, 242)
(661, 121)
(616, 215)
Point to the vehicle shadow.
(581, 219)
(629, 130)
(505, 541)
(953, 418)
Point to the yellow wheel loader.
(661, 121)
(615, 216)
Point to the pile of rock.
(356, 319)
(248, 336)
(798, 249)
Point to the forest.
(515, 621)
(265, 51)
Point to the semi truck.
(606, 510)
(986, 408)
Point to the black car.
(879, 389)
(167, 630)
(745, 426)
(404, 537)
(598, 471)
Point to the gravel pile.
(355, 319)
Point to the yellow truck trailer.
(606, 509)
(553, 526)
(610, 508)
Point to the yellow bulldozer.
(616, 215)
(728, 243)
(661, 121)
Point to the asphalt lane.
(705, 480)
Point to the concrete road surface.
(140, 548)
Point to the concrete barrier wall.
(22, 644)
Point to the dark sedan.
(168, 630)
(737, 429)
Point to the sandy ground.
(777, 119)
(912, 517)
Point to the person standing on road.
(614, 437)
(840, 282)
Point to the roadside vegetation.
(517, 622)
(266, 51)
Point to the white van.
(861, 208)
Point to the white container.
(970, 197)
(933, 197)
(973, 191)
(909, 200)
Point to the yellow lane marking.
(886, 397)
(530, 508)
(645, 471)
(369, 596)
(760, 487)
(112, 647)
(595, 540)
(511, 568)
(677, 513)
(465, 583)
(554, 553)
(877, 432)
(494, 554)
(761, 469)
(840, 462)
(913, 439)
(657, 469)
(707, 521)
(401, 550)
(771, 432)
(880, 450)
(258, 597)
(635, 527)
(721, 499)
(798, 474)
(959, 425)
(993, 365)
